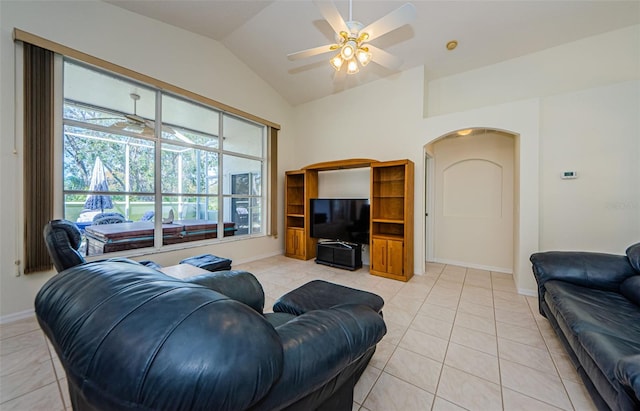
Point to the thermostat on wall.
(569, 174)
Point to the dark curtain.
(273, 184)
(38, 155)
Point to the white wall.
(527, 96)
(600, 210)
(590, 62)
(165, 52)
(376, 121)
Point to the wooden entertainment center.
(391, 210)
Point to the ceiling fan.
(133, 122)
(352, 38)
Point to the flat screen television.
(340, 219)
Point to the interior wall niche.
(349, 183)
(472, 191)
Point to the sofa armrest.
(318, 345)
(628, 374)
(594, 270)
(238, 285)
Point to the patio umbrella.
(98, 183)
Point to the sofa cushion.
(607, 350)
(628, 373)
(584, 309)
(602, 327)
(633, 254)
(630, 288)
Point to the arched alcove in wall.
(520, 119)
(470, 196)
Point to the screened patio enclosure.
(163, 153)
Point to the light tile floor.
(458, 338)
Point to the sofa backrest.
(633, 254)
(63, 239)
(130, 337)
(630, 287)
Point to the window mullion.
(220, 199)
(158, 172)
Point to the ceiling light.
(352, 67)
(363, 56)
(452, 45)
(348, 50)
(352, 37)
(465, 132)
(337, 62)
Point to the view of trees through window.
(127, 144)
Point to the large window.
(145, 168)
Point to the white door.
(474, 191)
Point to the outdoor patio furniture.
(63, 240)
(108, 218)
(108, 238)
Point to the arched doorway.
(470, 196)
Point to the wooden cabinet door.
(378, 255)
(395, 257)
(300, 244)
(295, 246)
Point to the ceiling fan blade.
(331, 15)
(134, 118)
(312, 52)
(396, 19)
(383, 58)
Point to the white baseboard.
(528, 292)
(9, 318)
(476, 266)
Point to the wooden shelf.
(388, 236)
(392, 219)
(300, 187)
(341, 164)
(391, 224)
(387, 220)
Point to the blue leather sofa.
(592, 301)
(131, 338)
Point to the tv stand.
(339, 254)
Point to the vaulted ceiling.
(261, 33)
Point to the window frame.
(158, 141)
(22, 37)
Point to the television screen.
(341, 219)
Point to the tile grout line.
(396, 347)
(495, 324)
(55, 373)
(552, 360)
(435, 395)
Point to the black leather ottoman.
(209, 262)
(319, 294)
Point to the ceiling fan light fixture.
(348, 50)
(337, 62)
(352, 37)
(352, 67)
(363, 55)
